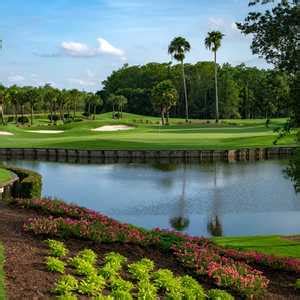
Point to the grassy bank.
(275, 245)
(5, 176)
(147, 134)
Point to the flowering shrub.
(200, 254)
(224, 272)
(277, 263)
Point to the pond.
(216, 198)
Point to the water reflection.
(207, 199)
(293, 170)
(180, 222)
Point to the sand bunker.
(5, 133)
(45, 131)
(112, 128)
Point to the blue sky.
(78, 43)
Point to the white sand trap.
(45, 131)
(113, 128)
(5, 133)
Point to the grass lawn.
(276, 245)
(5, 176)
(2, 275)
(147, 134)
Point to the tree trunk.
(113, 114)
(167, 117)
(94, 115)
(16, 113)
(185, 94)
(216, 87)
(162, 116)
(2, 114)
(31, 115)
(75, 108)
(89, 110)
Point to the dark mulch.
(27, 278)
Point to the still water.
(229, 199)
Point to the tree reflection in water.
(293, 170)
(180, 222)
(214, 226)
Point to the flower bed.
(199, 254)
(270, 261)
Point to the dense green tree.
(164, 96)
(213, 42)
(178, 48)
(275, 35)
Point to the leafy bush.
(146, 290)
(82, 267)
(22, 120)
(115, 259)
(66, 285)
(219, 295)
(57, 249)
(297, 284)
(29, 185)
(92, 285)
(191, 288)
(141, 270)
(119, 284)
(55, 265)
(88, 255)
(121, 295)
(67, 296)
(165, 280)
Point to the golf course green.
(144, 133)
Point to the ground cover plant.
(113, 277)
(199, 255)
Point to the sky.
(78, 43)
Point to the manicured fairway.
(276, 245)
(147, 134)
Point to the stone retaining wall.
(143, 155)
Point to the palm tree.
(178, 48)
(213, 42)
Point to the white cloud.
(16, 78)
(82, 82)
(216, 23)
(77, 49)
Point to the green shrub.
(119, 284)
(219, 295)
(29, 185)
(102, 297)
(297, 284)
(121, 295)
(165, 280)
(92, 285)
(146, 290)
(192, 290)
(88, 255)
(82, 267)
(57, 248)
(141, 270)
(66, 285)
(109, 271)
(68, 296)
(115, 258)
(55, 265)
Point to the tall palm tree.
(213, 42)
(178, 48)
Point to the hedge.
(29, 185)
